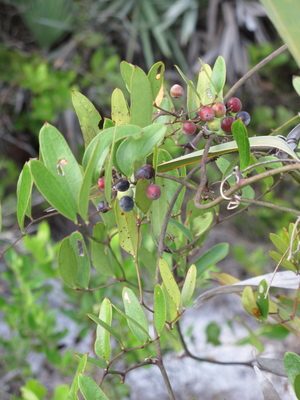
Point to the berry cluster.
(125, 193)
(216, 115)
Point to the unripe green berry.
(214, 125)
(128, 192)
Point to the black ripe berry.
(126, 203)
(149, 168)
(244, 116)
(153, 192)
(122, 186)
(102, 207)
(142, 173)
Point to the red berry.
(226, 124)
(206, 113)
(176, 91)
(189, 128)
(234, 104)
(101, 183)
(219, 109)
(149, 168)
(153, 192)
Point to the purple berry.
(126, 203)
(176, 91)
(122, 186)
(234, 105)
(189, 128)
(102, 207)
(226, 124)
(206, 114)
(153, 192)
(219, 109)
(149, 168)
(142, 174)
(244, 116)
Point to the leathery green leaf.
(82, 259)
(80, 369)
(102, 345)
(284, 16)
(141, 103)
(60, 161)
(141, 200)
(126, 72)
(296, 84)
(24, 188)
(192, 104)
(189, 83)
(119, 108)
(88, 116)
(171, 308)
(218, 77)
(156, 78)
(132, 149)
(101, 255)
(204, 85)
(189, 285)
(297, 385)
(93, 361)
(280, 244)
(84, 194)
(169, 282)
(283, 261)
(158, 210)
(106, 326)
(53, 190)
(134, 310)
(249, 303)
(160, 310)
(292, 365)
(211, 257)
(89, 388)
(67, 263)
(128, 230)
(261, 300)
(241, 137)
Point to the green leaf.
(60, 161)
(107, 327)
(141, 104)
(201, 223)
(171, 308)
(241, 137)
(189, 285)
(160, 311)
(89, 388)
(280, 245)
(141, 199)
(296, 84)
(134, 310)
(191, 101)
(204, 85)
(284, 262)
(67, 263)
(93, 361)
(24, 188)
(297, 385)
(128, 230)
(88, 116)
(82, 259)
(126, 72)
(261, 301)
(189, 83)
(291, 365)
(213, 331)
(182, 228)
(61, 392)
(156, 78)
(169, 282)
(249, 303)
(74, 388)
(119, 108)
(54, 191)
(132, 149)
(158, 210)
(102, 345)
(258, 142)
(284, 16)
(84, 194)
(108, 123)
(218, 77)
(101, 254)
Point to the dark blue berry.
(102, 207)
(244, 117)
(142, 173)
(122, 186)
(126, 203)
